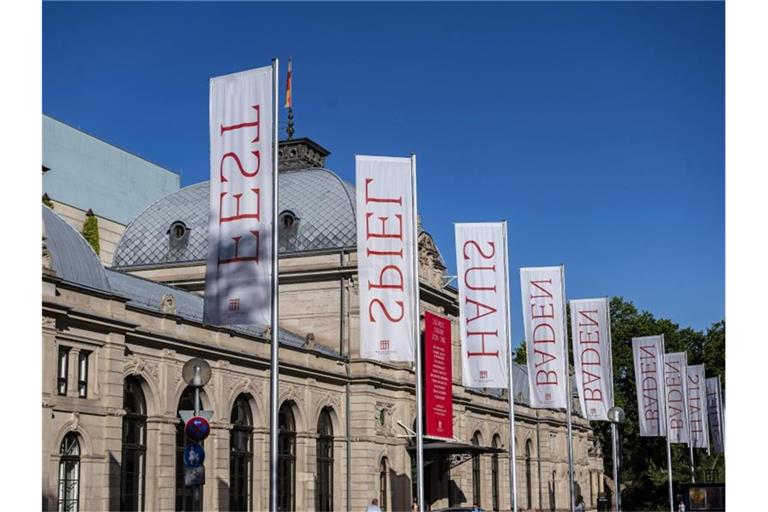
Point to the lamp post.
(616, 416)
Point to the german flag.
(288, 97)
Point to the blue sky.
(595, 129)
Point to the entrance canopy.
(456, 453)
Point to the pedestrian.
(580, 505)
(374, 506)
(415, 506)
(680, 504)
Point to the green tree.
(91, 231)
(644, 471)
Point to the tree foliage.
(91, 231)
(644, 470)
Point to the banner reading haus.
(675, 375)
(482, 269)
(648, 354)
(543, 294)
(238, 272)
(386, 238)
(697, 407)
(591, 333)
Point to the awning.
(452, 452)
(440, 448)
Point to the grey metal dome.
(319, 204)
(72, 258)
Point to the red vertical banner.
(438, 403)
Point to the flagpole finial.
(290, 123)
(289, 98)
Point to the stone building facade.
(115, 340)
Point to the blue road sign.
(194, 455)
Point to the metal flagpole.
(417, 341)
(615, 450)
(666, 427)
(511, 390)
(568, 397)
(273, 366)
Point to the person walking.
(373, 507)
(580, 505)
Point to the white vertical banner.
(481, 267)
(715, 414)
(543, 301)
(238, 274)
(648, 354)
(591, 334)
(386, 245)
(675, 376)
(697, 407)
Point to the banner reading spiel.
(386, 237)
(238, 273)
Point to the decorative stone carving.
(310, 340)
(47, 257)
(49, 322)
(168, 304)
(430, 260)
(384, 418)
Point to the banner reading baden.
(238, 273)
(544, 322)
(591, 333)
(648, 353)
(715, 414)
(386, 237)
(481, 267)
(675, 375)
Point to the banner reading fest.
(481, 267)
(697, 407)
(386, 238)
(648, 354)
(675, 375)
(543, 294)
(238, 273)
(591, 334)
(438, 377)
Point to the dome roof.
(321, 203)
(72, 258)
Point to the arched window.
(241, 455)
(324, 490)
(383, 492)
(495, 473)
(187, 498)
(133, 463)
(286, 458)
(69, 474)
(476, 498)
(528, 478)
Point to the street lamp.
(616, 416)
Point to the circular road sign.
(194, 455)
(197, 428)
(196, 372)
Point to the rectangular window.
(63, 370)
(82, 374)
